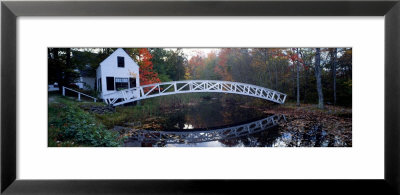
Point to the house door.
(110, 83)
(132, 82)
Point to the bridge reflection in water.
(197, 136)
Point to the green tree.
(61, 69)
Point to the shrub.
(73, 124)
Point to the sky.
(190, 52)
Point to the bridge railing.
(79, 94)
(191, 86)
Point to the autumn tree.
(223, 66)
(277, 59)
(262, 69)
(210, 62)
(147, 74)
(307, 55)
(296, 62)
(196, 66)
(241, 60)
(298, 77)
(308, 74)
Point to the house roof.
(119, 51)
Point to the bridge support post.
(63, 91)
(79, 97)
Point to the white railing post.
(79, 94)
(141, 92)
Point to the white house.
(118, 71)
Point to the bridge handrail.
(79, 94)
(186, 81)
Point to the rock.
(98, 109)
(129, 124)
(121, 129)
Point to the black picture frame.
(10, 10)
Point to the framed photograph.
(115, 97)
(199, 97)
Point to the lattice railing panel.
(192, 86)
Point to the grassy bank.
(72, 123)
(69, 125)
(148, 108)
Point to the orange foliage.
(221, 68)
(147, 74)
(196, 65)
(294, 57)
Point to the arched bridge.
(192, 86)
(189, 136)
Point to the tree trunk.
(305, 73)
(268, 68)
(294, 83)
(276, 77)
(334, 74)
(318, 78)
(67, 75)
(305, 84)
(298, 79)
(58, 72)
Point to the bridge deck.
(192, 86)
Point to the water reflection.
(261, 133)
(204, 124)
(208, 113)
(197, 136)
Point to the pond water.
(206, 124)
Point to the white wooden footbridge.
(190, 136)
(192, 86)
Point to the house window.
(110, 83)
(96, 83)
(121, 62)
(132, 82)
(99, 84)
(121, 83)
